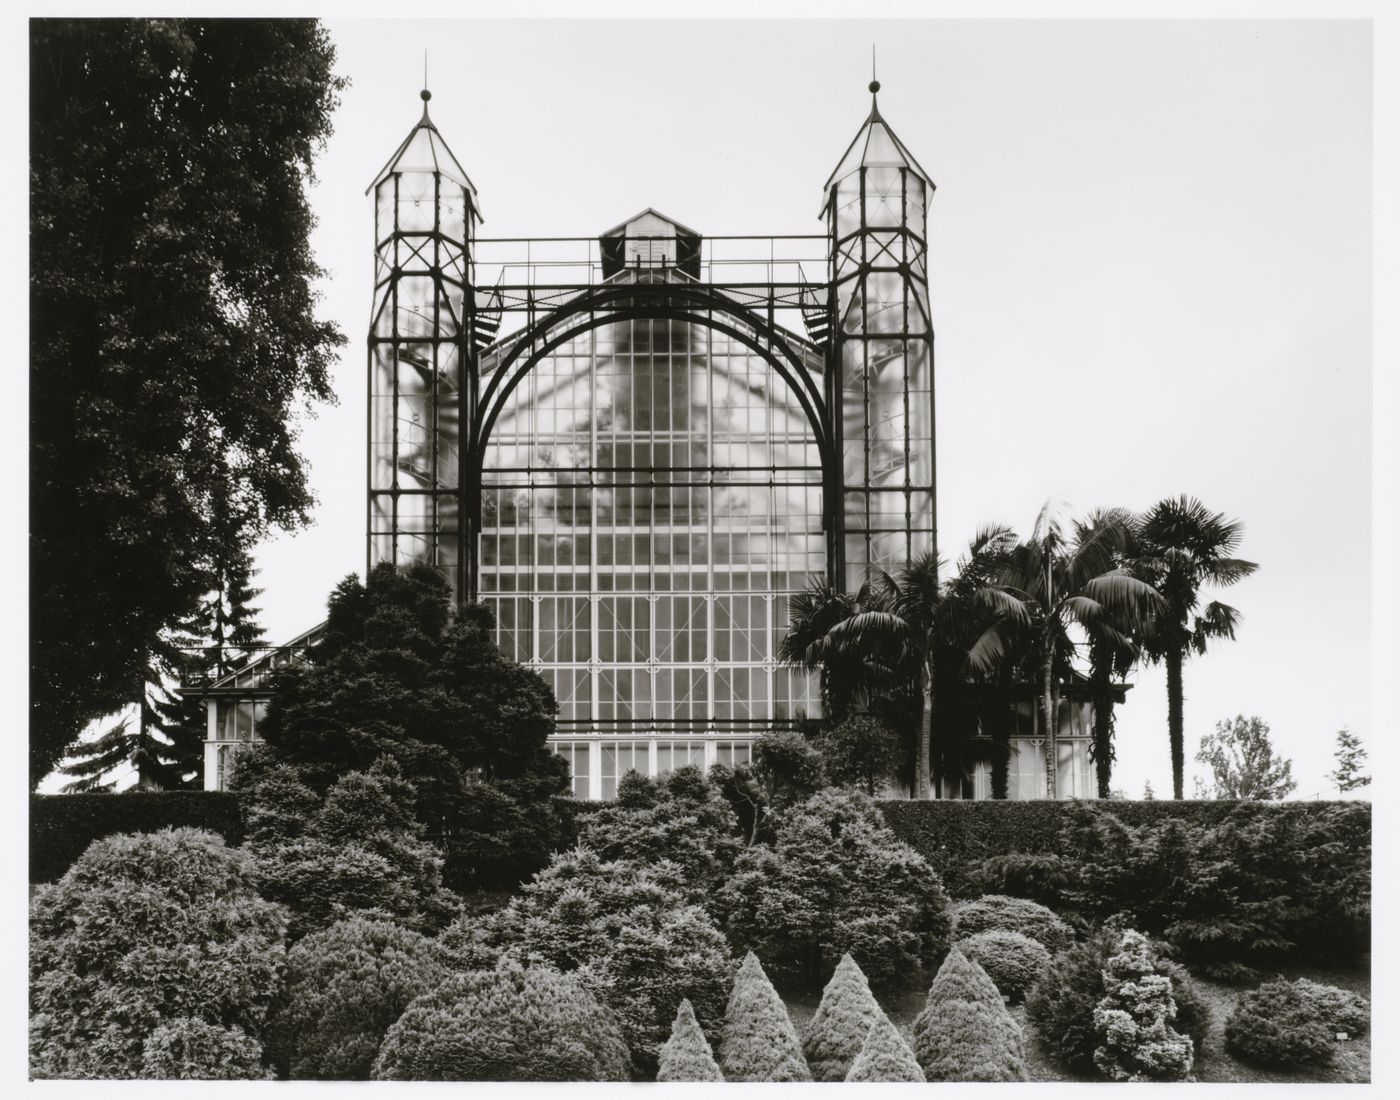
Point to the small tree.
(758, 1042)
(885, 1056)
(860, 752)
(842, 1022)
(1351, 759)
(1133, 1020)
(686, 1055)
(965, 1032)
(1242, 762)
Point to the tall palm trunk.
(1047, 720)
(921, 783)
(1174, 721)
(1003, 715)
(1102, 673)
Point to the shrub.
(1340, 1008)
(346, 986)
(1039, 876)
(837, 1031)
(686, 1055)
(190, 1049)
(884, 1056)
(1279, 1025)
(965, 1032)
(1013, 961)
(1133, 1020)
(143, 929)
(1007, 914)
(836, 881)
(861, 752)
(758, 1042)
(507, 1024)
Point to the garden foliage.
(861, 752)
(510, 1023)
(1279, 1024)
(884, 1056)
(1134, 1019)
(997, 912)
(1013, 961)
(1343, 1010)
(835, 881)
(142, 930)
(758, 1042)
(346, 985)
(686, 1055)
(188, 1048)
(965, 1032)
(838, 1030)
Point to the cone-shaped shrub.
(686, 1055)
(965, 1032)
(1013, 961)
(885, 1056)
(842, 1021)
(507, 1024)
(1133, 1021)
(759, 1042)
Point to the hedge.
(61, 826)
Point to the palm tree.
(1048, 583)
(1183, 545)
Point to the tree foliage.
(188, 1048)
(759, 1042)
(1133, 1021)
(1013, 961)
(1351, 760)
(965, 1032)
(839, 1029)
(1242, 762)
(999, 912)
(173, 330)
(686, 1055)
(861, 752)
(885, 1056)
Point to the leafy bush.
(1133, 1020)
(758, 1042)
(1042, 877)
(686, 1055)
(190, 1049)
(1340, 1008)
(861, 752)
(838, 1030)
(1013, 961)
(836, 881)
(143, 929)
(61, 826)
(1007, 914)
(346, 985)
(507, 1024)
(1280, 1025)
(885, 1056)
(965, 1032)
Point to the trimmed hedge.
(61, 826)
(951, 834)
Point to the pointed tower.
(881, 381)
(425, 218)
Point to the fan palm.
(1045, 585)
(1182, 546)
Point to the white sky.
(1150, 274)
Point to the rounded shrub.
(884, 1056)
(190, 1049)
(141, 930)
(508, 1024)
(999, 913)
(965, 1032)
(346, 986)
(842, 1021)
(686, 1055)
(1342, 1009)
(1013, 961)
(1133, 1021)
(1280, 1025)
(758, 1042)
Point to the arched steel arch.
(608, 304)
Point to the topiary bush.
(143, 929)
(190, 1049)
(346, 985)
(836, 881)
(998, 912)
(1013, 961)
(965, 1032)
(758, 1042)
(1280, 1025)
(1133, 1020)
(838, 1030)
(884, 1056)
(1341, 1009)
(686, 1055)
(508, 1024)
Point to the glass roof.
(424, 150)
(876, 144)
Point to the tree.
(1182, 545)
(173, 330)
(1048, 583)
(1351, 759)
(1242, 762)
(965, 1032)
(839, 1029)
(861, 752)
(759, 1042)
(885, 1056)
(686, 1055)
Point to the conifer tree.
(1133, 1021)
(1351, 759)
(686, 1055)
(885, 1056)
(759, 1042)
(838, 1030)
(965, 1032)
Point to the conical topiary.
(839, 1028)
(965, 1032)
(686, 1055)
(759, 1043)
(885, 1056)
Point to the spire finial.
(425, 95)
(874, 84)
